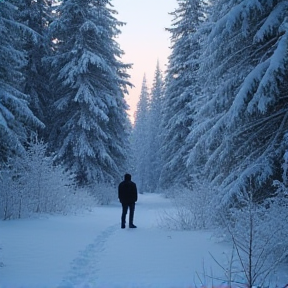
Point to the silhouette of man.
(127, 194)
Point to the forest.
(211, 133)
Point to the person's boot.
(131, 218)
(123, 221)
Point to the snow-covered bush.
(192, 208)
(35, 185)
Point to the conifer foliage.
(146, 136)
(181, 89)
(155, 115)
(224, 108)
(140, 143)
(90, 126)
(16, 118)
(238, 136)
(36, 15)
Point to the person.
(127, 194)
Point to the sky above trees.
(144, 39)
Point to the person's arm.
(136, 194)
(119, 192)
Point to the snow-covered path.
(143, 257)
(90, 250)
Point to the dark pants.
(124, 212)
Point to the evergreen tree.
(240, 128)
(36, 15)
(140, 140)
(16, 119)
(90, 131)
(180, 89)
(155, 115)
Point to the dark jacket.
(127, 191)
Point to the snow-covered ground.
(90, 250)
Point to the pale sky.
(144, 39)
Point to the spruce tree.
(180, 90)
(155, 116)
(140, 140)
(91, 126)
(16, 119)
(36, 15)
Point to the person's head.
(127, 177)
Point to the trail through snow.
(142, 257)
(90, 250)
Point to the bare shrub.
(259, 237)
(104, 193)
(192, 208)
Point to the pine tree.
(155, 115)
(180, 89)
(140, 140)
(90, 132)
(16, 119)
(240, 128)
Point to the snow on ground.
(90, 250)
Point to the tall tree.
(155, 116)
(180, 88)
(140, 140)
(16, 119)
(36, 15)
(90, 132)
(240, 128)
